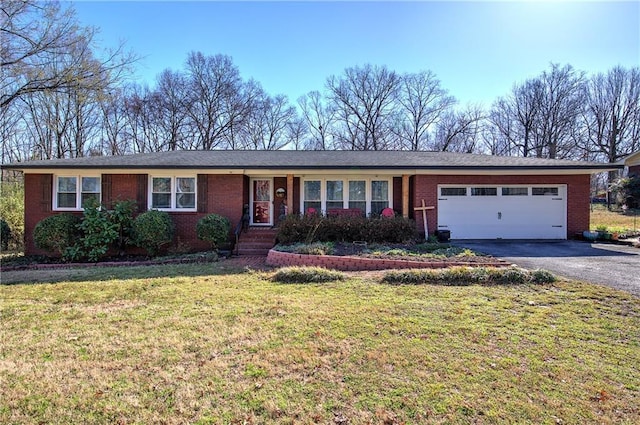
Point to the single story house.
(472, 196)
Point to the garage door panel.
(507, 217)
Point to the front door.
(261, 205)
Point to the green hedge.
(312, 228)
(152, 230)
(57, 233)
(214, 229)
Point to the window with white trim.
(72, 192)
(173, 193)
(379, 195)
(369, 196)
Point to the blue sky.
(477, 49)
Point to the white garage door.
(503, 212)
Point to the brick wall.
(425, 187)
(226, 196)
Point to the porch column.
(290, 207)
(405, 195)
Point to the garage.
(503, 212)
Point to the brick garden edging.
(350, 264)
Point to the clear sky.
(477, 49)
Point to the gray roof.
(311, 160)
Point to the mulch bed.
(360, 250)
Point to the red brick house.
(473, 196)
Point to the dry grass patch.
(614, 220)
(191, 345)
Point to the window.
(453, 191)
(379, 195)
(334, 194)
(515, 191)
(71, 195)
(312, 198)
(484, 191)
(358, 195)
(370, 196)
(544, 191)
(168, 193)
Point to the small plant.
(57, 232)
(214, 229)
(151, 230)
(307, 275)
(5, 235)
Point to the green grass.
(206, 344)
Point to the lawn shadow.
(91, 272)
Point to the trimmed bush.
(307, 275)
(57, 233)
(464, 276)
(5, 235)
(151, 230)
(214, 229)
(312, 228)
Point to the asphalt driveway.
(617, 266)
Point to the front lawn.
(208, 344)
(617, 221)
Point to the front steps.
(256, 241)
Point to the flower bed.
(354, 263)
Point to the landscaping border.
(351, 264)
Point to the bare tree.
(39, 36)
(214, 97)
(363, 99)
(423, 103)
(459, 131)
(267, 124)
(319, 118)
(563, 97)
(611, 116)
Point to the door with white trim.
(261, 202)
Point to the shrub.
(468, 275)
(12, 211)
(151, 230)
(214, 229)
(5, 235)
(98, 233)
(307, 275)
(122, 217)
(312, 228)
(57, 232)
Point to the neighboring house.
(474, 196)
(633, 162)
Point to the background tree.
(423, 102)
(364, 98)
